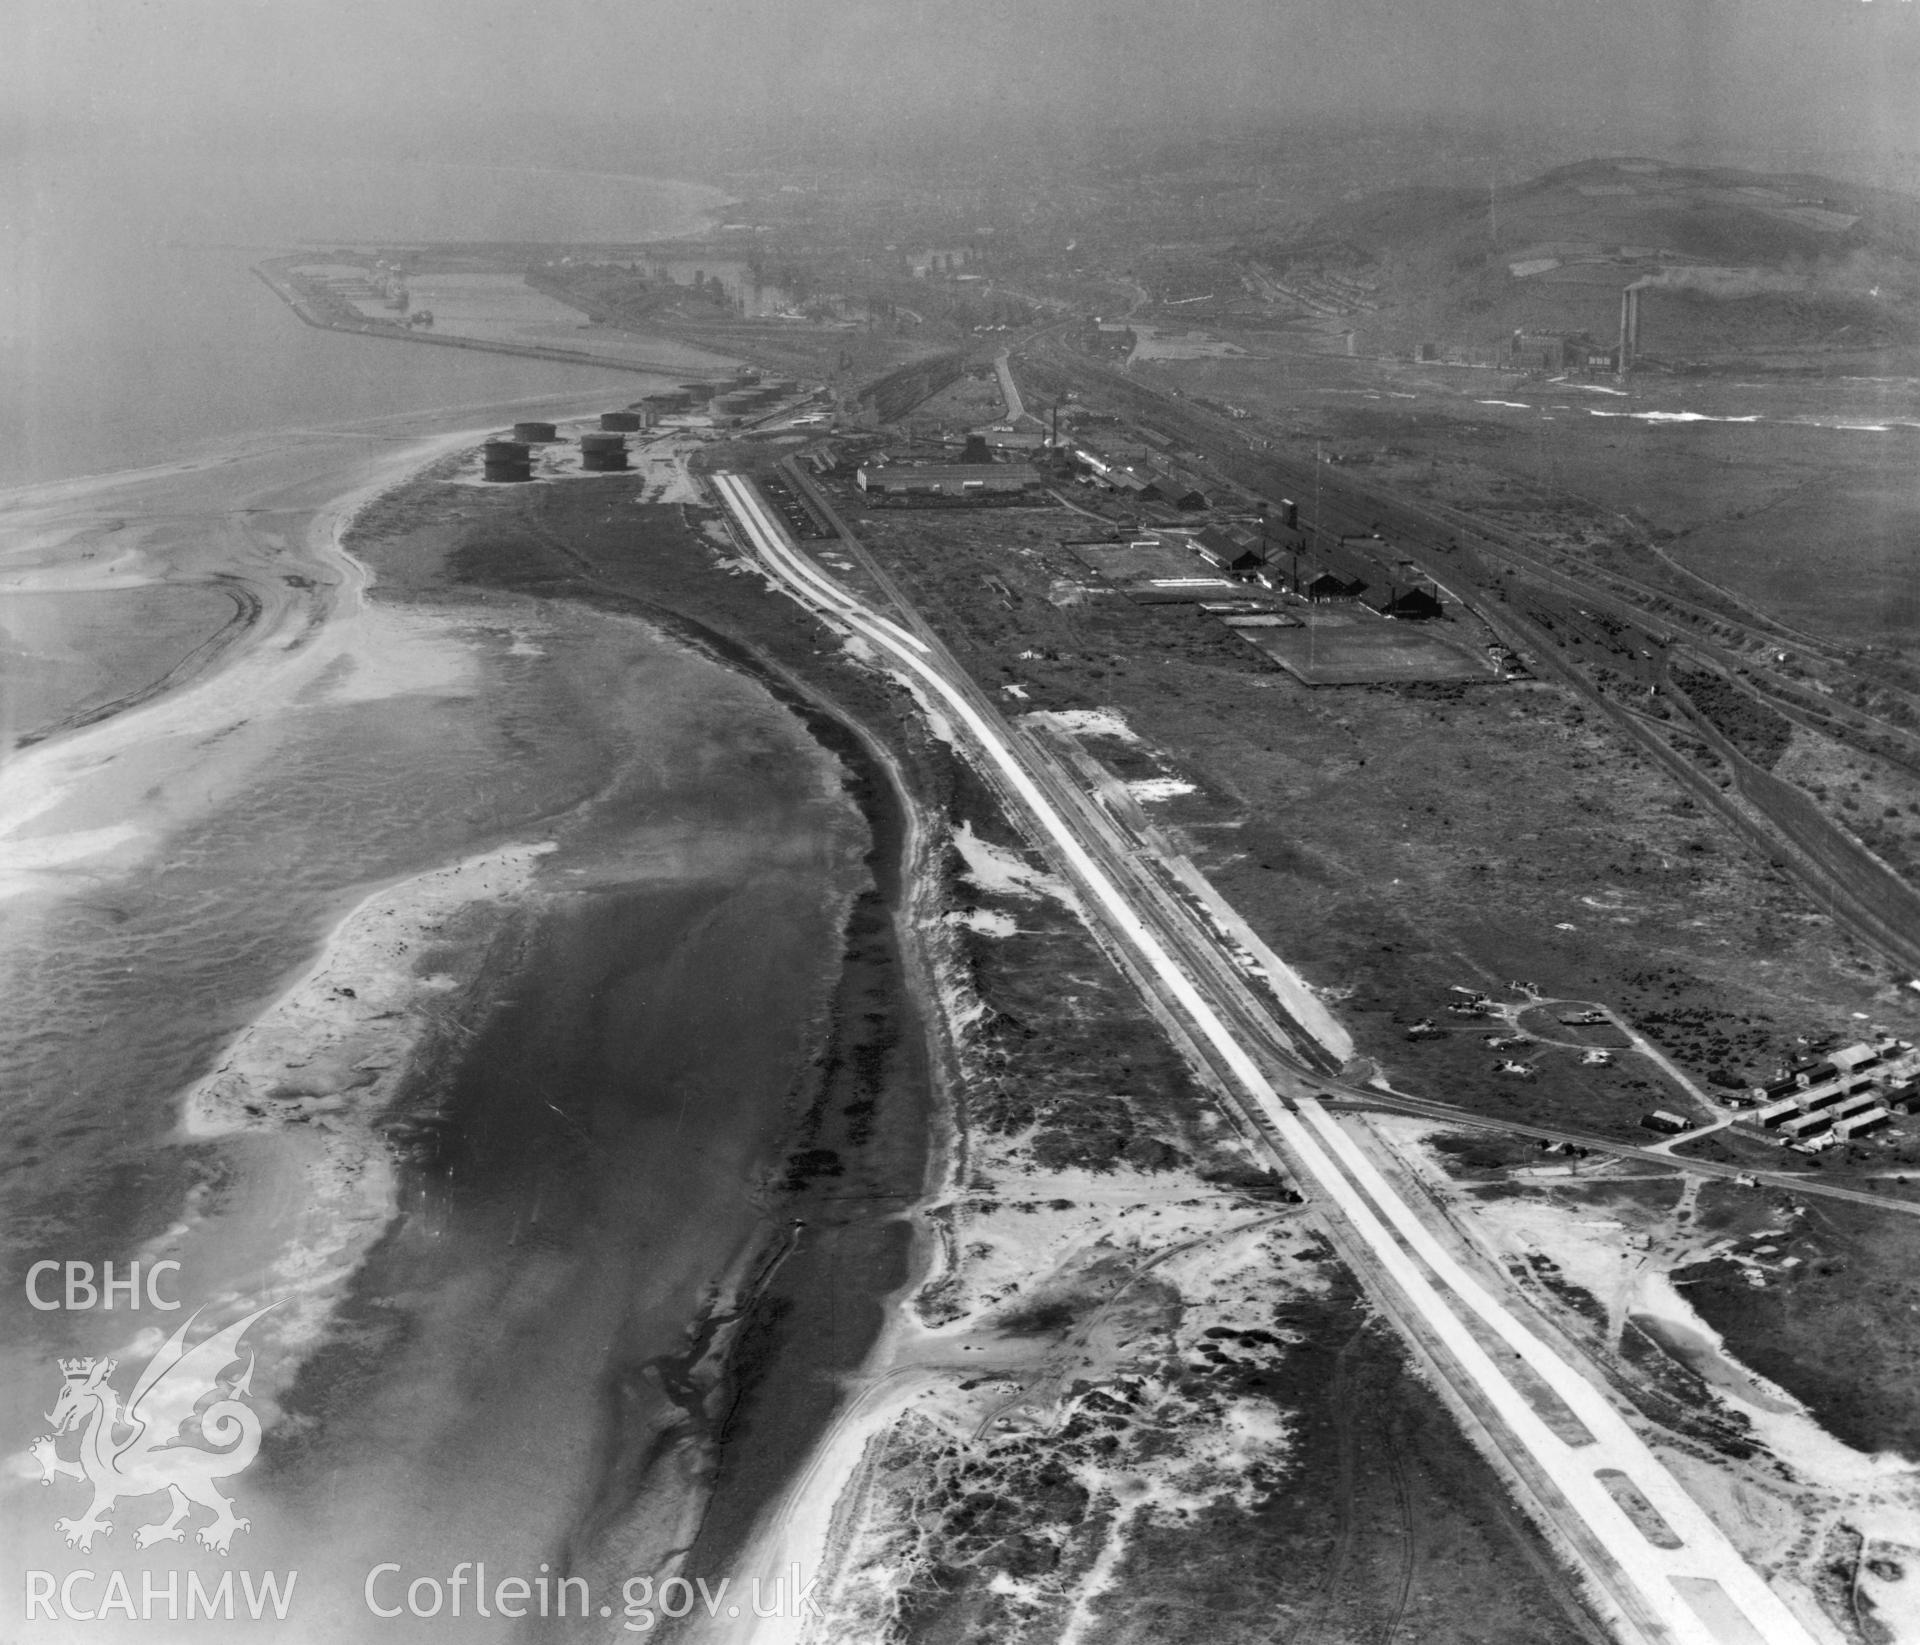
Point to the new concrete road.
(1663, 1566)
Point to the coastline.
(871, 1306)
(282, 287)
(835, 1245)
(940, 1347)
(273, 273)
(301, 1101)
(68, 792)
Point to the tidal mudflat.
(442, 975)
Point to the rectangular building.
(1858, 1102)
(1806, 1125)
(1857, 1125)
(1773, 1114)
(948, 479)
(1854, 1059)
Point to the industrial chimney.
(1629, 328)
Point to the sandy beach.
(304, 871)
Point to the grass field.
(1354, 648)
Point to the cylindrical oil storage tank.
(508, 460)
(603, 453)
(697, 393)
(624, 422)
(534, 433)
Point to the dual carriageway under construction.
(1662, 1569)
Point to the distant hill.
(1771, 270)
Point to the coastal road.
(1668, 1573)
(1284, 1048)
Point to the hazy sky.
(421, 73)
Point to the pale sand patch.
(679, 485)
(298, 1090)
(1108, 1244)
(996, 869)
(26, 865)
(129, 569)
(1148, 789)
(389, 651)
(1878, 1495)
(967, 1381)
(86, 783)
(988, 922)
(338, 1040)
(1096, 722)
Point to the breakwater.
(289, 291)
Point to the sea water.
(478, 1368)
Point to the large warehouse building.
(948, 479)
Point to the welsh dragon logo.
(149, 1446)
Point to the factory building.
(1232, 548)
(1415, 605)
(1329, 587)
(962, 480)
(1175, 489)
(1540, 351)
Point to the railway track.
(1875, 905)
(1544, 1414)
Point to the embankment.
(287, 288)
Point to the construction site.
(1265, 739)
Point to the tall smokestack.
(1629, 329)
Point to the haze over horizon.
(568, 84)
